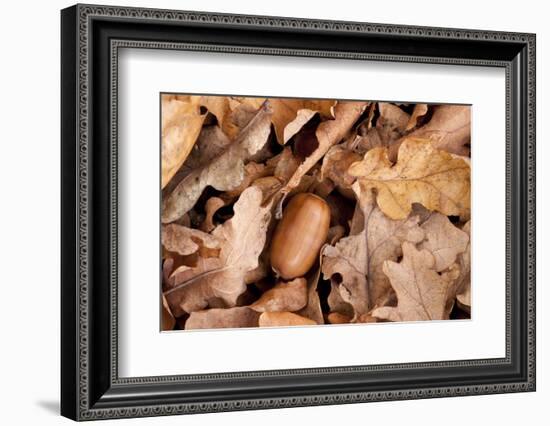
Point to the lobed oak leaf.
(422, 174)
(384, 238)
(242, 240)
(185, 241)
(422, 293)
(225, 172)
(444, 240)
(449, 129)
(347, 260)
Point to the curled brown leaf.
(285, 296)
(213, 204)
(283, 319)
(290, 115)
(328, 133)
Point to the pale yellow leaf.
(180, 128)
(422, 174)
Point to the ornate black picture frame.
(90, 385)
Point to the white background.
(140, 343)
(29, 225)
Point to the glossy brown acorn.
(299, 235)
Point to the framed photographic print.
(263, 212)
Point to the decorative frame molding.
(91, 37)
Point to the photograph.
(275, 208)
(281, 212)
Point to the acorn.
(299, 235)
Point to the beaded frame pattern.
(85, 13)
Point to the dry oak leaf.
(283, 319)
(252, 171)
(237, 317)
(211, 143)
(328, 133)
(444, 240)
(422, 293)
(180, 127)
(449, 130)
(347, 260)
(242, 239)
(285, 164)
(419, 110)
(216, 105)
(269, 185)
(336, 163)
(363, 143)
(392, 122)
(422, 174)
(290, 115)
(384, 237)
(336, 303)
(313, 310)
(225, 172)
(185, 241)
(285, 296)
(242, 110)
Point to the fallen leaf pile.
(386, 192)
